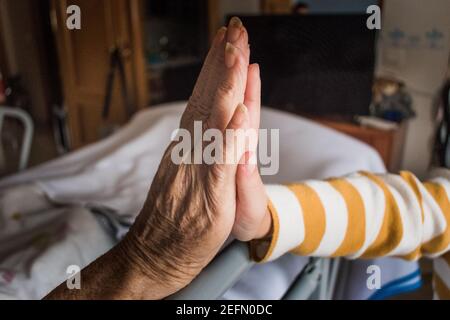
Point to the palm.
(191, 208)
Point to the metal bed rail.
(317, 280)
(27, 123)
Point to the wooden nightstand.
(388, 143)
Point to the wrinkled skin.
(190, 209)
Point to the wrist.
(265, 229)
(146, 273)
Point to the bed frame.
(317, 280)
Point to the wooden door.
(84, 57)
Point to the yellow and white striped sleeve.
(359, 216)
(362, 216)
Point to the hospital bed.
(102, 187)
(28, 128)
(316, 280)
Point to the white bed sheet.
(117, 172)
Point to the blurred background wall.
(414, 47)
(23, 46)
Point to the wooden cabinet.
(388, 143)
(277, 6)
(148, 35)
(84, 58)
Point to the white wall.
(406, 52)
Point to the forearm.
(154, 260)
(362, 215)
(115, 276)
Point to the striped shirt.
(363, 215)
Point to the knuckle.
(197, 108)
(226, 89)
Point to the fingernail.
(221, 33)
(235, 22)
(243, 108)
(234, 29)
(240, 115)
(230, 55)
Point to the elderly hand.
(190, 209)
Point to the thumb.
(252, 219)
